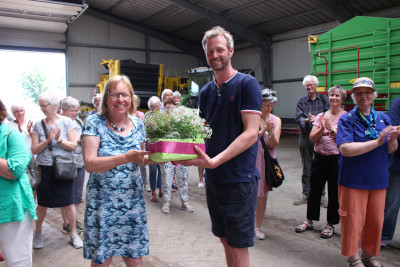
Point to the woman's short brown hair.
(111, 83)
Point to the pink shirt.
(140, 115)
(326, 145)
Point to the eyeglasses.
(115, 96)
(44, 106)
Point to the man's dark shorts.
(232, 210)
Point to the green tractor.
(198, 77)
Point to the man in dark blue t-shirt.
(231, 105)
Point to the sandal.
(187, 207)
(259, 234)
(165, 208)
(327, 233)
(301, 228)
(367, 261)
(353, 263)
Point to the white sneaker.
(324, 202)
(148, 188)
(76, 241)
(301, 200)
(38, 240)
(200, 185)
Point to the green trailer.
(360, 47)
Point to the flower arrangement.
(173, 133)
(177, 123)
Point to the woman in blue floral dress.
(115, 215)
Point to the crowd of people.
(355, 153)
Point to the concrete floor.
(183, 239)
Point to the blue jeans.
(155, 180)
(392, 205)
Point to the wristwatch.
(333, 131)
(59, 141)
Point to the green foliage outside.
(34, 83)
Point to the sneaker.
(79, 226)
(76, 241)
(301, 200)
(324, 202)
(384, 243)
(37, 240)
(67, 230)
(1, 257)
(148, 188)
(259, 234)
(200, 185)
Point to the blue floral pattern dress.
(115, 215)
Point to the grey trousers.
(306, 152)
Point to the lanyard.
(370, 132)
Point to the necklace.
(118, 129)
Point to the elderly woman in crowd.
(58, 132)
(70, 108)
(17, 207)
(270, 130)
(143, 172)
(169, 170)
(96, 101)
(21, 123)
(324, 167)
(154, 105)
(365, 138)
(177, 97)
(113, 144)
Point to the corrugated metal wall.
(90, 40)
(248, 59)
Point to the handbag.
(34, 174)
(64, 166)
(32, 170)
(273, 173)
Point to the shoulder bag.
(273, 172)
(32, 170)
(64, 166)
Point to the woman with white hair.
(96, 101)
(325, 164)
(70, 108)
(52, 136)
(270, 131)
(154, 105)
(177, 97)
(21, 123)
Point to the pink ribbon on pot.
(174, 147)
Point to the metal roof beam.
(188, 47)
(336, 9)
(238, 29)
